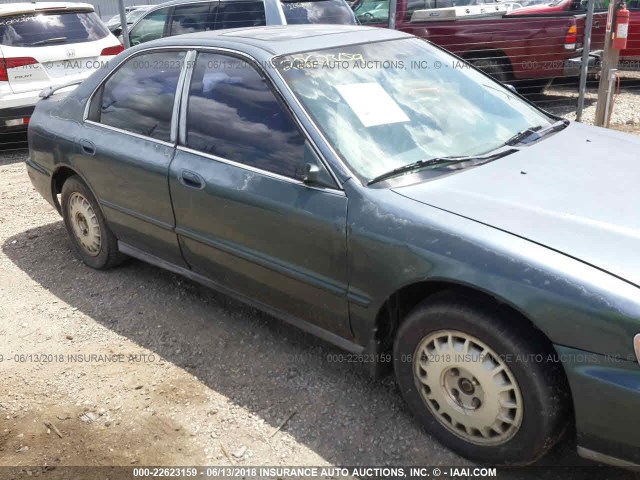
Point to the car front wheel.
(480, 382)
(86, 226)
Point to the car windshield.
(385, 105)
(318, 11)
(29, 30)
(136, 14)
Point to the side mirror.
(315, 173)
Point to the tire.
(534, 86)
(535, 402)
(495, 67)
(90, 235)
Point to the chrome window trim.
(133, 134)
(260, 171)
(253, 62)
(184, 101)
(183, 109)
(184, 73)
(178, 94)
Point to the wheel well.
(401, 302)
(499, 55)
(59, 177)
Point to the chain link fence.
(519, 54)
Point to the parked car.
(188, 16)
(525, 50)
(133, 15)
(630, 56)
(428, 219)
(45, 44)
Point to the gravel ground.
(562, 99)
(199, 378)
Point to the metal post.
(586, 49)
(610, 58)
(607, 112)
(123, 24)
(393, 8)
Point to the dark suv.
(183, 16)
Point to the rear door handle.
(87, 147)
(191, 179)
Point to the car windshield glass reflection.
(388, 104)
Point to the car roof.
(180, 2)
(284, 39)
(14, 8)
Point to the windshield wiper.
(533, 134)
(50, 40)
(436, 161)
(413, 166)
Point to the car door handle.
(87, 147)
(191, 179)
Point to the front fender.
(394, 242)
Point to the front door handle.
(87, 147)
(191, 179)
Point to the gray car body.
(548, 231)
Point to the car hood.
(577, 192)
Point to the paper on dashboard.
(372, 104)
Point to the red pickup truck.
(629, 57)
(512, 48)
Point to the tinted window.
(191, 18)
(150, 27)
(318, 11)
(232, 113)
(134, 15)
(373, 11)
(240, 14)
(139, 96)
(51, 29)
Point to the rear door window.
(240, 14)
(192, 18)
(139, 96)
(50, 28)
(318, 11)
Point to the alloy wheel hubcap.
(84, 223)
(467, 387)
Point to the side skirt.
(207, 282)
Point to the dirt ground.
(137, 366)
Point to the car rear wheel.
(86, 226)
(483, 387)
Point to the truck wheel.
(492, 66)
(90, 235)
(484, 388)
(533, 86)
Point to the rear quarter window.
(40, 29)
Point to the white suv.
(43, 45)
